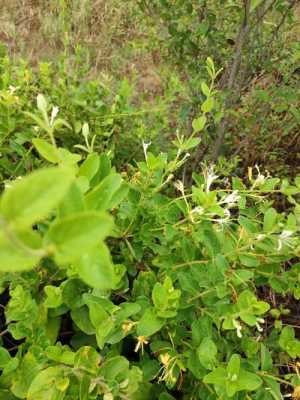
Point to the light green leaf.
(149, 324)
(160, 296)
(32, 198)
(249, 260)
(207, 106)
(102, 331)
(274, 388)
(114, 367)
(205, 89)
(75, 235)
(270, 219)
(216, 377)
(248, 381)
(20, 251)
(73, 202)
(87, 359)
(67, 158)
(54, 296)
(100, 197)
(234, 364)
(25, 374)
(191, 143)
(95, 268)
(46, 150)
(199, 123)
(48, 385)
(90, 166)
(266, 361)
(118, 196)
(4, 357)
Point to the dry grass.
(41, 29)
(111, 34)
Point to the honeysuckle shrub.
(133, 286)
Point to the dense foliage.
(134, 263)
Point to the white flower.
(198, 210)
(238, 327)
(12, 89)
(145, 147)
(210, 176)
(54, 113)
(179, 186)
(231, 198)
(284, 238)
(260, 179)
(187, 155)
(223, 221)
(259, 328)
(260, 237)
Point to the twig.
(281, 22)
(240, 41)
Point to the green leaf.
(48, 385)
(72, 290)
(270, 219)
(274, 388)
(115, 367)
(207, 106)
(46, 150)
(191, 143)
(126, 311)
(118, 196)
(160, 296)
(90, 166)
(207, 352)
(233, 367)
(103, 330)
(82, 319)
(25, 374)
(4, 357)
(32, 198)
(217, 377)
(54, 296)
(265, 358)
(205, 89)
(97, 312)
(19, 251)
(75, 235)
(95, 268)
(249, 260)
(87, 359)
(67, 158)
(149, 323)
(73, 202)
(199, 123)
(288, 342)
(248, 381)
(100, 197)
(201, 328)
